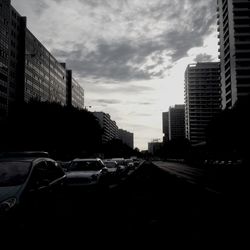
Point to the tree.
(63, 131)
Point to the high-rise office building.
(174, 123)
(234, 41)
(202, 98)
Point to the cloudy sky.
(129, 55)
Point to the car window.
(40, 175)
(13, 173)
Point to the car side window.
(39, 176)
(54, 170)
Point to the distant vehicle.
(86, 172)
(27, 183)
(18, 154)
(115, 170)
(121, 162)
(129, 163)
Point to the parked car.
(28, 185)
(86, 172)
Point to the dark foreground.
(150, 209)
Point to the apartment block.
(202, 98)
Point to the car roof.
(24, 159)
(87, 159)
(18, 154)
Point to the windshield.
(13, 173)
(86, 166)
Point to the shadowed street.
(150, 208)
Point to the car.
(28, 185)
(86, 172)
(115, 171)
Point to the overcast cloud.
(121, 47)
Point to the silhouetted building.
(154, 147)
(109, 127)
(165, 126)
(74, 92)
(177, 122)
(234, 41)
(126, 137)
(174, 123)
(27, 69)
(202, 98)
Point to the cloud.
(108, 101)
(203, 57)
(134, 40)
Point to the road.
(200, 177)
(155, 207)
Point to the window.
(54, 171)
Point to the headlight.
(6, 205)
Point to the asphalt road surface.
(160, 206)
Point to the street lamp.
(85, 107)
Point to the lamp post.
(85, 107)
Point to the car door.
(36, 196)
(56, 175)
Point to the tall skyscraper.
(234, 41)
(202, 98)
(174, 123)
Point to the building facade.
(27, 69)
(174, 123)
(126, 137)
(12, 31)
(45, 77)
(154, 147)
(109, 127)
(177, 122)
(165, 126)
(74, 92)
(234, 47)
(202, 98)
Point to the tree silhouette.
(63, 131)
